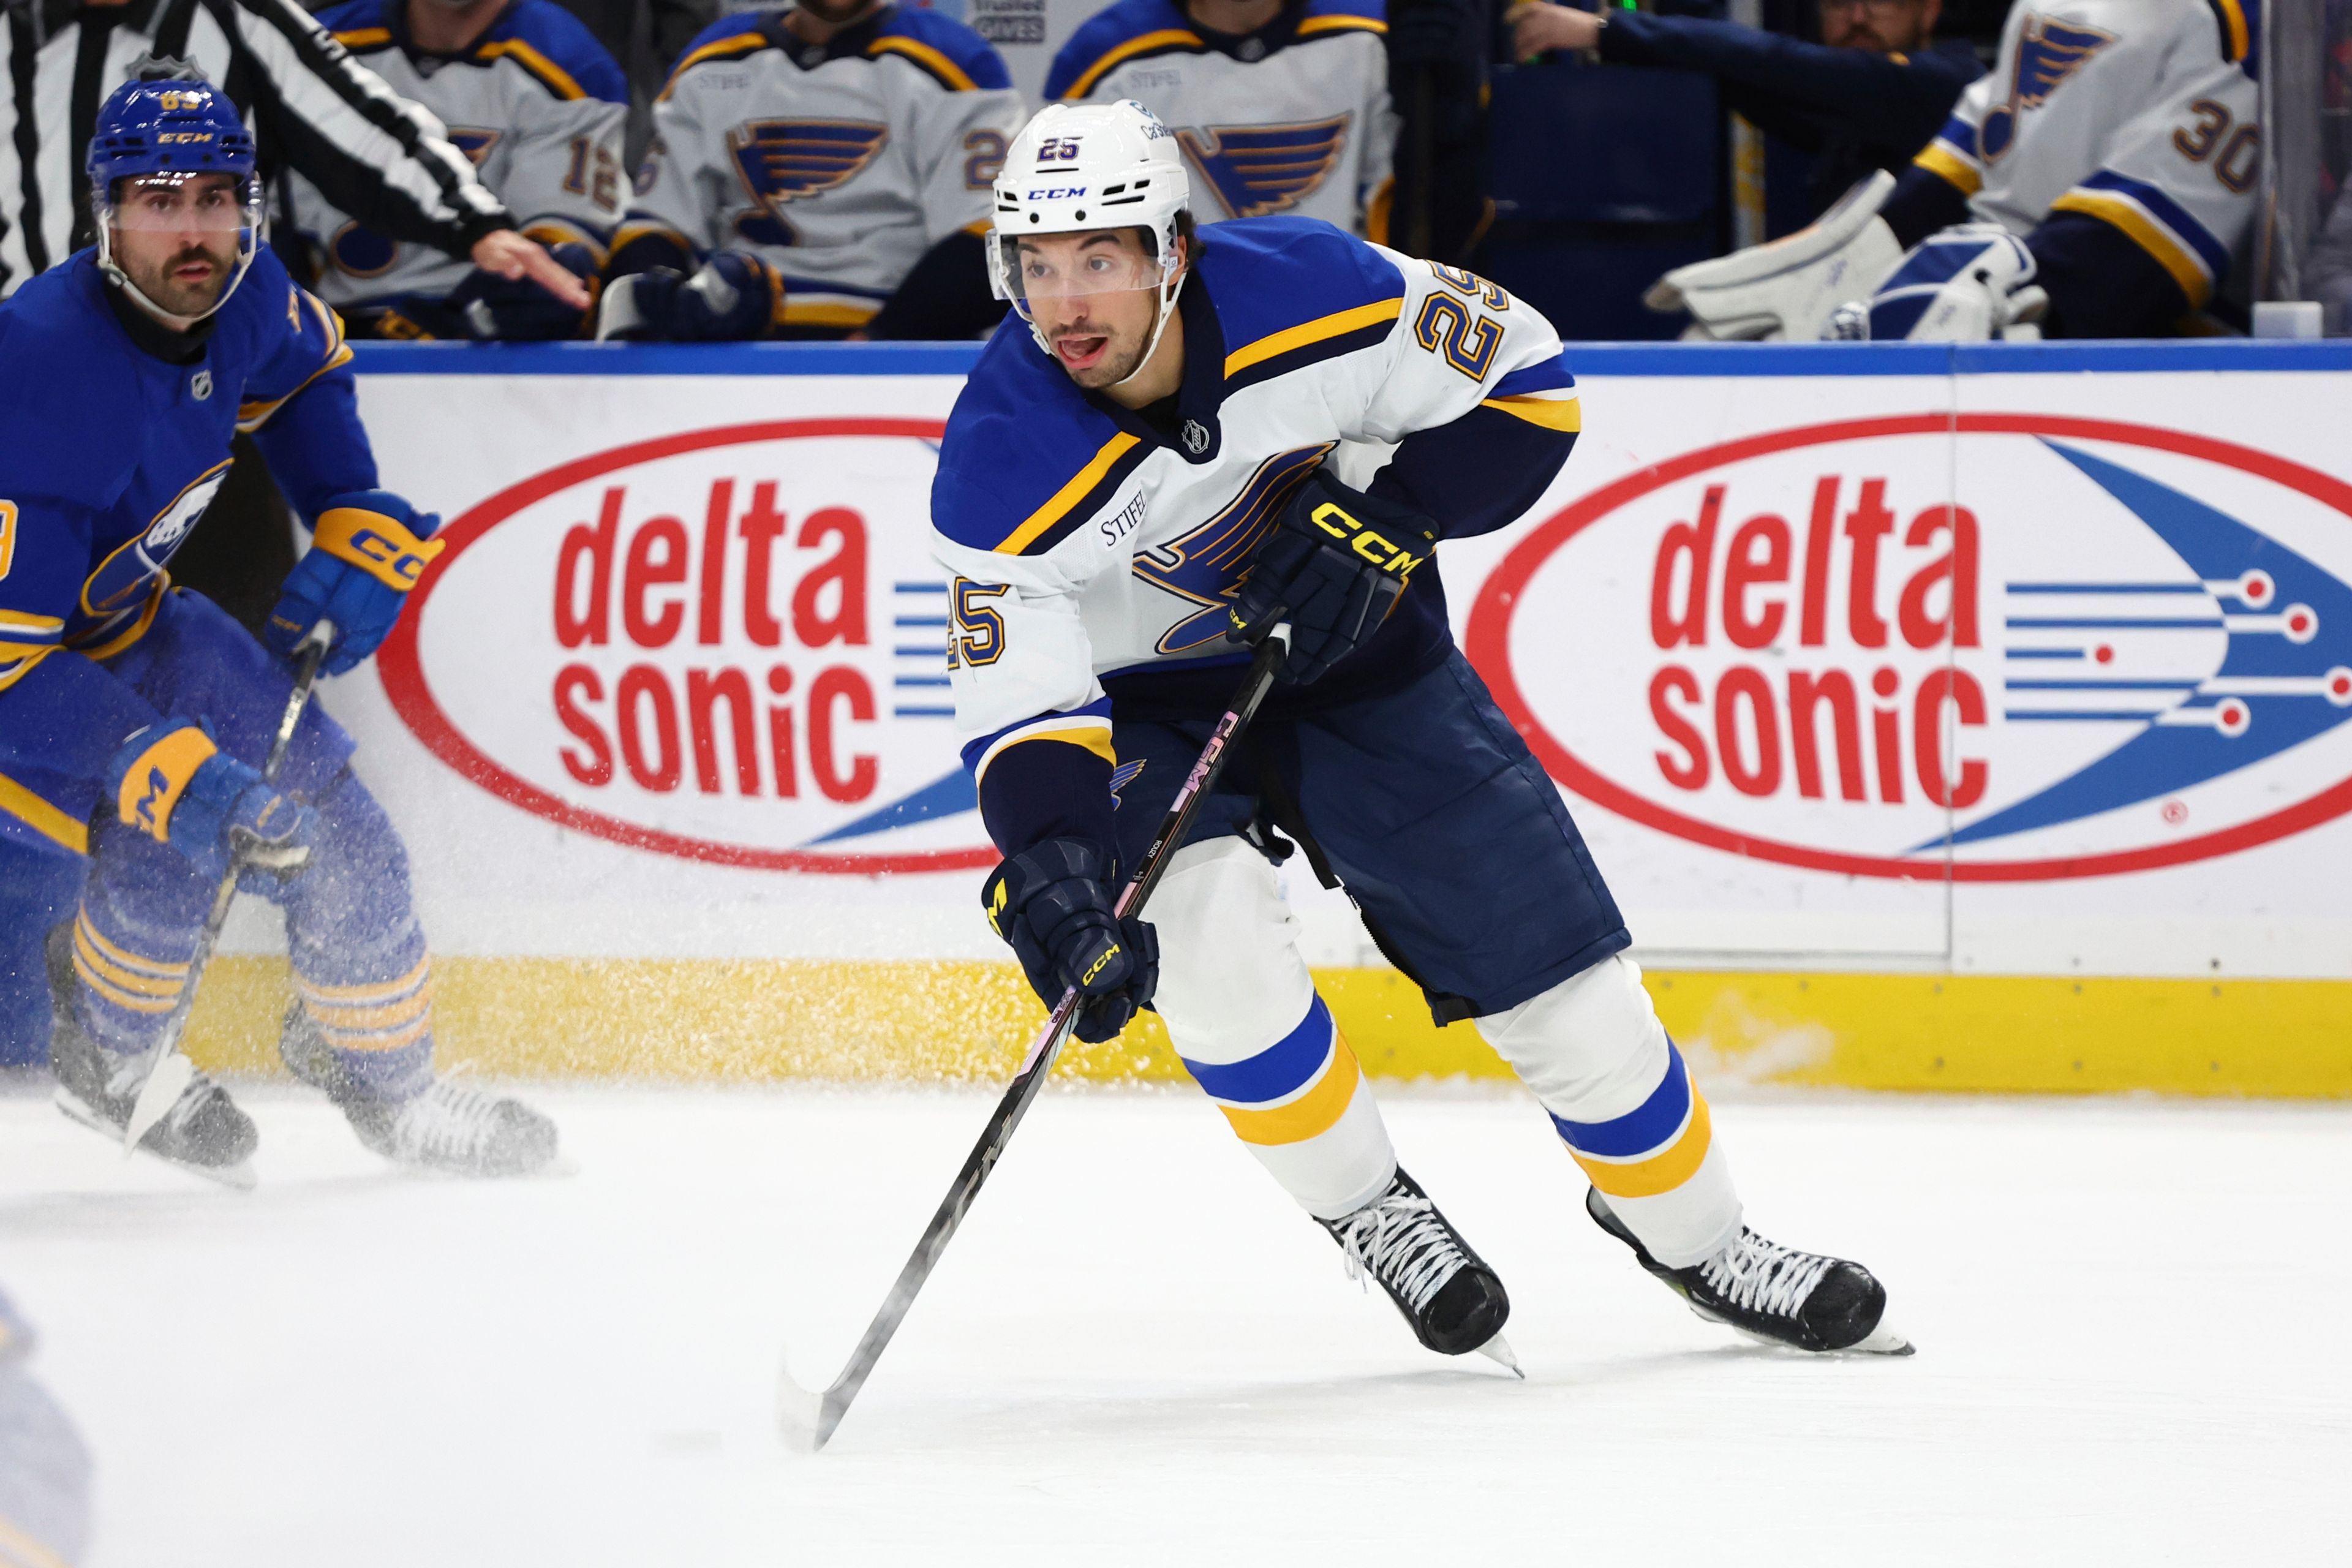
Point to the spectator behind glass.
(1281, 106)
(1869, 96)
(534, 100)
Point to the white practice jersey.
(2142, 112)
(839, 163)
(536, 103)
(1294, 118)
(1079, 548)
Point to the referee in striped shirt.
(313, 109)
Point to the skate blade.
(1880, 1341)
(1498, 1350)
(240, 1176)
(167, 1079)
(802, 1418)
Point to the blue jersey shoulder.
(1088, 52)
(1347, 11)
(1018, 440)
(725, 39)
(355, 15)
(71, 399)
(969, 55)
(1272, 275)
(563, 40)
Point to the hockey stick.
(168, 1070)
(808, 1419)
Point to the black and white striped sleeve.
(372, 153)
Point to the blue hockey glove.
(368, 551)
(1333, 565)
(1054, 904)
(1965, 284)
(733, 297)
(517, 310)
(173, 784)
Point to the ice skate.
(450, 1127)
(1454, 1301)
(204, 1131)
(1775, 1293)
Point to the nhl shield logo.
(200, 385)
(1195, 437)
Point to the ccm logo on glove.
(379, 545)
(154, 780)
(1376, 548)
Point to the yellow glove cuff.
(378, 545)
(154, 782)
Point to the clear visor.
(1059, 267)
(197, 202)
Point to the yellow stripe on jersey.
(253, 416)
(38, 814)
(929, 59)
(1317, 1110)
(368, 993)
(1552, 412)
(137, 629)
(1086, 731)
(719, 49)
(1331, 326)
(1069, 495)
(554, 76)
(364, 37)
(1165, 39)
(2114, 207)
(2233, 21)
(1660, 1172)
(166, 967)
(1939, 158)
(24, 621)
(1314, 25)
(827, 313)
(118, 975)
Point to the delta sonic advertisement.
(1824, 664)
(713, 656)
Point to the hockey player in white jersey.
(818, 171)
(1172, 451)
(529, 94)
(2094, 185)
(1280, 106)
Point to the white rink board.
(2167, 756)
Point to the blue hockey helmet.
(166, 137)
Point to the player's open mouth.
(1080, 352)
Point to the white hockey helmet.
(1078, 167)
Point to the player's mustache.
(193, 253)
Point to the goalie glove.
(1965, 284)
(1788, 290)
(734, 296)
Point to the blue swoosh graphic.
(949, 794)
(2166, 757)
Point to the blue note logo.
(1260, 169)
(784, 161)
(2048, 53)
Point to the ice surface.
(2129, 1321)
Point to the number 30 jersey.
(1092, 546)
(2142, 113)
(838, 163)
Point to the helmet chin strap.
(247, 250)
(1168, 290)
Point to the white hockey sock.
(1596, 1056)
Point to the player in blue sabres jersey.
(1189, 435)
(133, 716)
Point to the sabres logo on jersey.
(1261, 169)
(2048, 52)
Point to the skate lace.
(1398, 1239)
(1763, 1275)
(448, 1120)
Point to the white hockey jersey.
(838, 163)
(1080, 549)
(1293, 118)
(2144, 113)
(537, 105)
